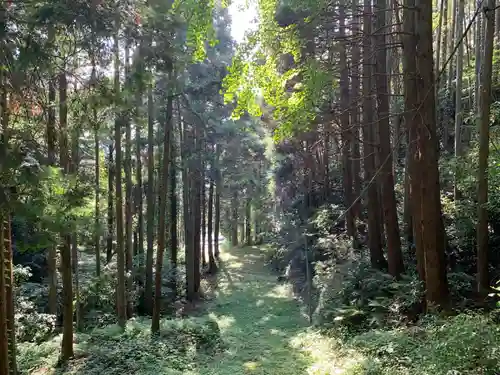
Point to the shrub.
(464, 344)
(356, 296)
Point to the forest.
(317, 197)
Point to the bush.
(179, 347)
(32, 325)
(464, 344)
(174, 349)
(358, 297)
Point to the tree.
(121, 300)
(425, 160)
(483, 282)
(394, 254)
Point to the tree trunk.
(344, 120)
(197, 177)
(234, 216)
(412, 196)
(121, 299)
(428, 214)
(355, 111)
(483, 280)
(478, 42)
(458, 96)
(128, 188)
(373, 204)
(248, 222)
(111, 179)
(444, 48)
(51, 152)
(218, 189)
(453, 39)
(162, 225)
(211, 259)
(139, 186)
(203, 216)
(66, 266)
(5, 366)
(148, 287)
(173, 215)
(394, 254)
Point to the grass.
(262, 330)
(265, 329)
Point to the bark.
(173, 217)
(9, 296)
(412, 196)
(346, 130)
(203, 218)
(394, 254)
(51, 152)
(211, 259)
(453, 38)
(121, 299)
(66, 266)
(97, 228)
(188, 205)
(248, 222)
(197, 176)
(138, 176)
(355, 111)
(439, 37)
(373, 204)
(128, 188)
(4, 336)
(162, 218)
(458, 96)
(477, 48)
(111, 179)
(483, 280)
(430, 226)
(8, 363)
(218, 189)
(150, 198)
(444, 48)
(234, 217)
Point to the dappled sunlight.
(223, 321)
(280, 291)
(327, 355)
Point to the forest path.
(262, 324)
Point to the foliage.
(464, 344)
(359, 297)
(113, 351)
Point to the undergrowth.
(112, 351)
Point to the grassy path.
(262, 324)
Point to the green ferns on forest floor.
(254, 326)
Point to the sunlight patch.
(223, 321)
(251, 365)
(328, 356)
(280, 291)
